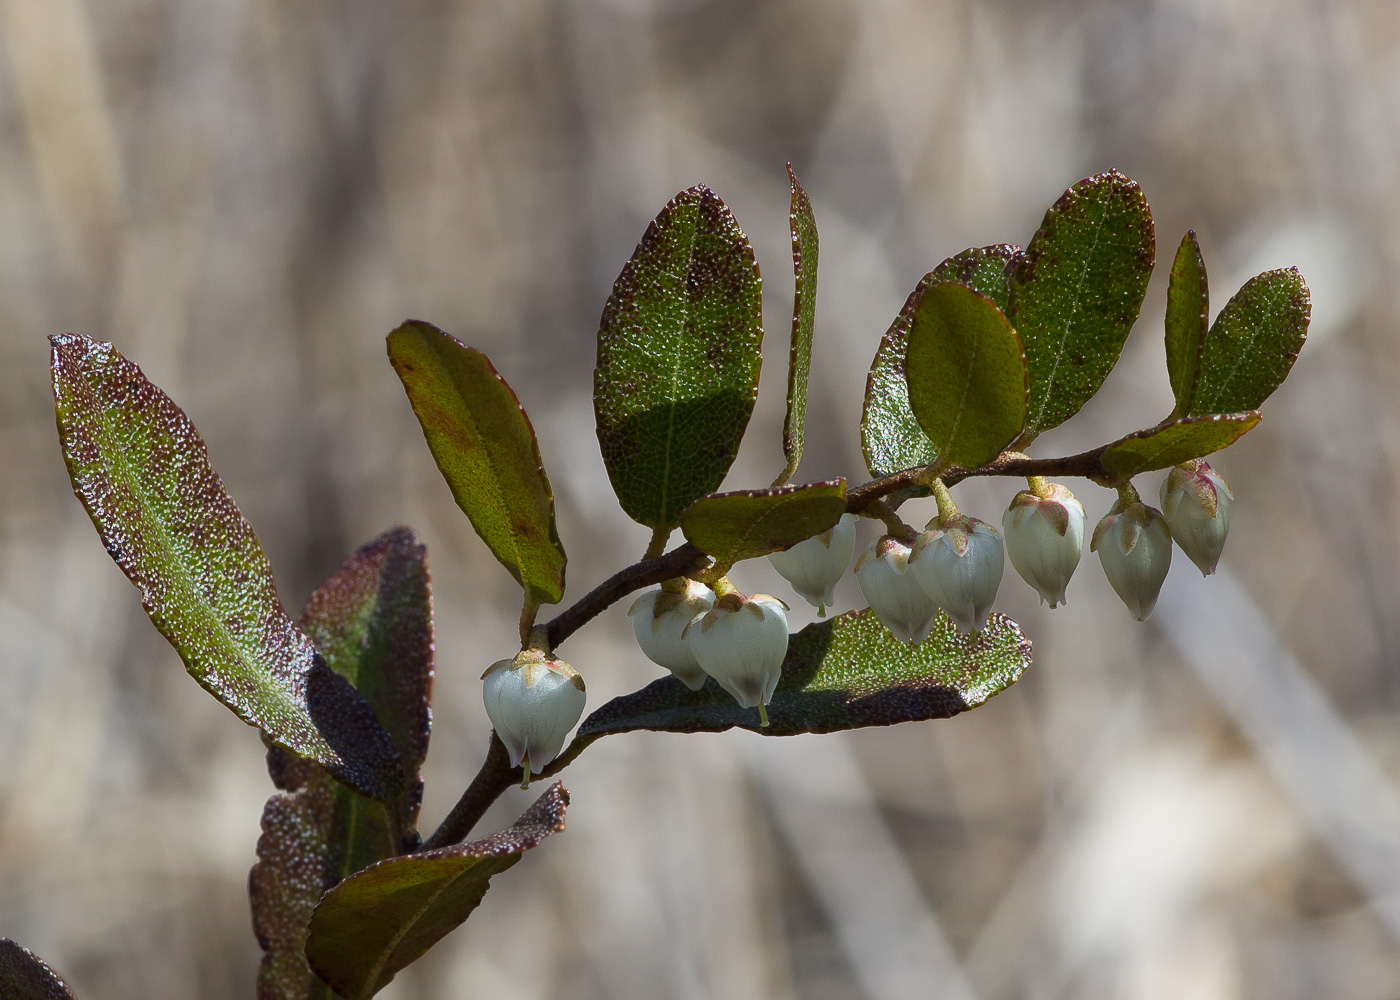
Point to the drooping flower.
(1135, 547)
(892, 592)
(741, 642)
(1044, 539)
(816, 565)
(959, 565)
(659, 620)
(533, 701)
(1196, 503)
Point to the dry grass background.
(246, 195)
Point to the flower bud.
(1196, 502)
(533, 701)
(1135, 547)
(959, 566)
(741, 642)
(659, 618)
(892, 592)
(816, 565)
(1044, 538)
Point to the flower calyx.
(958, 561)
(533, 700)
(1196, 503)
(1044, 531)
(1134, 545)
(816, 565)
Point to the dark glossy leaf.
(678, 359)
(1253, 343)
(486, 449)
(373, 622)
(1076, 292)
(142, 472)
(967, 374)
(804, 317)
(1174, 443)
(844, 673)
(890, 435)
(378, 921)
(752, 523)
(1188, 317)
(25, 976)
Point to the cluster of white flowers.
(954, 566)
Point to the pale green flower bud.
(816, 565)
(659, 619)
(741, 642)
(1135, 546)
(959, 565)
(1044, 539)
(894, 595)
(533, 701)
(1196, 502)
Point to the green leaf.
(1174, 443)
(1253, 343)
(378, 921)
(373, 622)
(890, 436)
(752, 523)
(486, 449)
(142, 472)
(844, 673)
(25, 976)
(678, 359)
(967, 374)
(1188, 317)
(1077, 291)
(804, 317)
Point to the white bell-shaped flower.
(890, 589)
(741, 642)
(533, 701)
(1044, 539)
(959, 566)
(816, 565)
(1135, 546)
(1196, 503)
(659, 619)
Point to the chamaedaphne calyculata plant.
(994, 346)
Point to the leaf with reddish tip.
(1174, 443)
(750, 523)
(25, 976)
(142, 472)
(1188, 318)
(890, 436)
(373, 622)
(804, 317)
(845, 673)
(486, 449)
(379, 920)
(1076, 292)
(1253, 343)
(678, 359)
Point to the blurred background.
(247, 195)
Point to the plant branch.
(678, 562)
(495, 776)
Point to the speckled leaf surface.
(378, 921)
(803, 224)
(890, 436)
(1253, 343)
(752, 523)
(372, 621)
(486, 449)
(142, 472)
(845, 673)
(1077, 291)
(1174, 443)
(25, 976)
(1188, 318)
(678, 359)
(966, 373)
